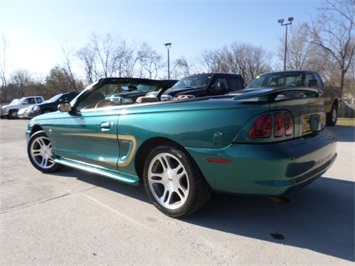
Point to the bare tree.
(104, 48)
(124, 60)
(213, 61)
(334, 33)
(87, 56)
(244, 59)
(21, 79)
(110, 56)
(68, 68)
(300, 53)
(251, 60)
(4, 47)
(182, 67)
(150, 62)
(59, 81)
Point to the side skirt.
(122, 177)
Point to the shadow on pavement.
(319, 217)
(344, 133)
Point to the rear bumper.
(268, 169)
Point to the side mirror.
(64, 107)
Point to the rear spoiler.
(270, 94)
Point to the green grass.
(346, 122)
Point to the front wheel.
(332, 116)
(39, 151)
(174, 182)
(12, 114)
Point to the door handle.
(106, 125)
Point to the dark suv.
(204, 85)
(51, 105)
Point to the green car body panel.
(114, 141)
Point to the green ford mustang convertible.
(265, 142)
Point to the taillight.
(281, 123)
(288, 124)
(278, 124)
(261, 127)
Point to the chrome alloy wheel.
(41, 152)
(168, 181)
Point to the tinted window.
(219, 86)
(194, 82)
(236, 84)
(276, 80)
(319, 81)
(308, 80)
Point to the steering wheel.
(104, 103)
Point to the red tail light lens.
(288, 124)
(261, 127)
(281, 123)
(278, 124)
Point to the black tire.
(332, 116)
(12, 114)
(39, 151)
(174, 183)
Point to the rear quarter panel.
(205, 125)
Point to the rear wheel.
(174, 182)
(332, 116)
(39, 151)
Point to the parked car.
(23, 112)
(10, 111)
(207, 84)
(255, 143)
(51, 105)
(302, 78)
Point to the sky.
(35, 31)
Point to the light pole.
(281, 21)
(168, 45)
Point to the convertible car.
(265, 142)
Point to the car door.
(87, 135)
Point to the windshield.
(54, 98)
(276, 80)
(194, 82)
(14, 101)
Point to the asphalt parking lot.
(74, 217)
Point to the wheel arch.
(336, 103)
(35, 129)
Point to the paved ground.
(80, 218)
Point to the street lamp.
(281, 21)
(168, 45)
